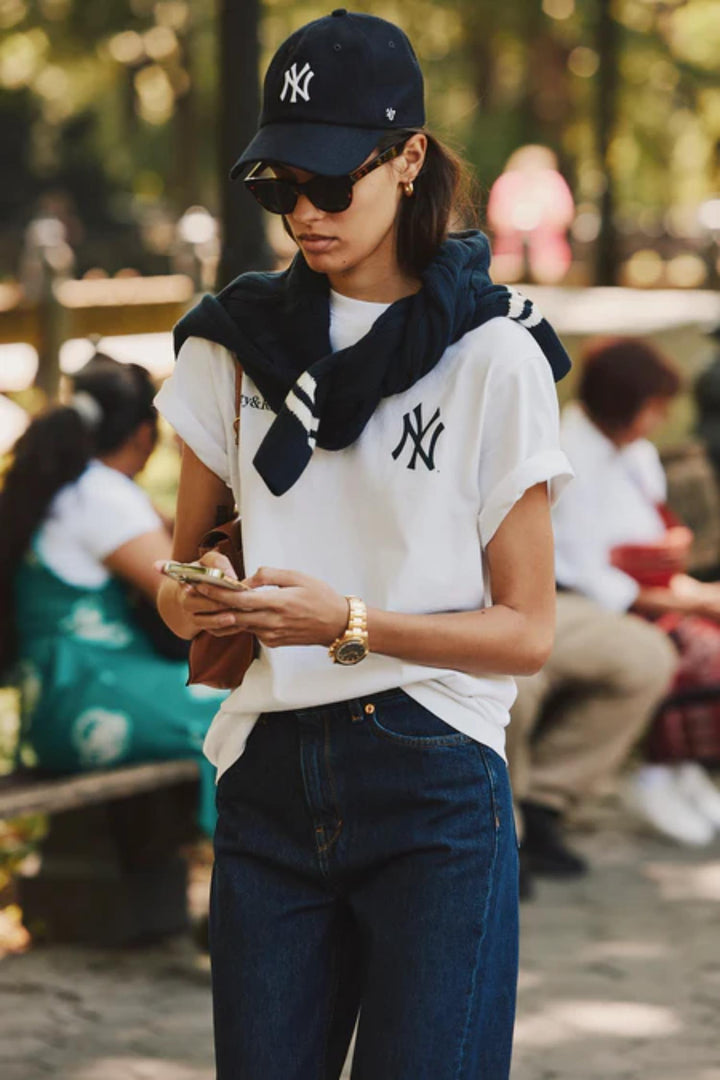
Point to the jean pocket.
(402, 720)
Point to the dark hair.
(444, 198)
(619, 376)
(54, 451)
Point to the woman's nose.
(305, 210)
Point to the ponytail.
(111, 399)
(54, 451)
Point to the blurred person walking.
(76, 547)
(397, 439)
(530, 210)
(618, 543)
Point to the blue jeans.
(366, 861)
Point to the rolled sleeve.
(198, 401)
(549, 465)
(521, 444)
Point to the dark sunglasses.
(332, 194)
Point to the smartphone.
(195, 574)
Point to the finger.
(228, 597)
(266, 575)
(257, 624)
(232, 631)
(247, 600)
(219, 562)
(194, 603)
(222, 620)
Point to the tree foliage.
(117, 102)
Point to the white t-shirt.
(613, 501)
(399, 518)
(88, 520)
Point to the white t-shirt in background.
(88, 520)
(400, 518)
(613, 501)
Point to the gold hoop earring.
(409, 188)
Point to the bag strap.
(238, 400)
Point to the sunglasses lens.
(330, 193)
(276, 196)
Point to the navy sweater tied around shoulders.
(278, 327)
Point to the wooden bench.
(111, 871)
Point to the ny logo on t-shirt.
(413, 429)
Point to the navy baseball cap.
(333, 89)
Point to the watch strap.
(356, 629)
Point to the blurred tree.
(607, 33)
(244, 245)
(120, 108)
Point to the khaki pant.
(596, 695)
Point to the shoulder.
(101, 510)
(644, 455)
(642, 458)
(203, 378)
(498, 368)
(206, 357)
(101, 489)
(502, 346)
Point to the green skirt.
(94, 692)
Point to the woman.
(396, 444)
(617, 543)
(76, 549)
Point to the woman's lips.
(316, 245)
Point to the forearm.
(498, 640)
(686, 598)
(657, 601)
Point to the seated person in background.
(78, 534)
(618, 544)
(575, 722)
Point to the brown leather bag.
(222, 661)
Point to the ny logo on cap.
(293, 79)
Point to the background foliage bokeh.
(108, 111)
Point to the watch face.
(350, 652)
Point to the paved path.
(620, 981)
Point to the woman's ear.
(411, 161)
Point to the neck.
(617, 438)
(376, 292)
(123, 460)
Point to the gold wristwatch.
(352, 646)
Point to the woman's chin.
(325, 262)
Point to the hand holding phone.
(197, 574)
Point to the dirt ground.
(620, 980)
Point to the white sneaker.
(697, 787)
(653, 795)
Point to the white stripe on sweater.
(516, 306)
(533, 319)
(516, 303)
(308, 385)
(300, 410)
